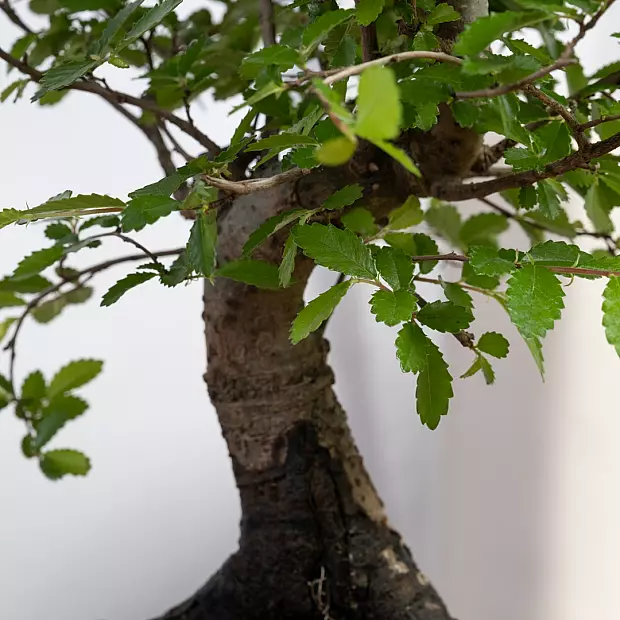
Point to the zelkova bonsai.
(365, 128)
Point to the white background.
(511, 507)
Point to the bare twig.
(599, 121)
(9, 11)
(255, 185)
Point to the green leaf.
(442, 13)
(48, 310)
(483, 228)
(116, 291)
(149, 20)
(312, 316)
(392, 308)
(344, 197)
(5, 326)
(287, 266)
(521, 159)
(479, 34)
(8, 299)
(407, 215)
(395, 267)
(494, 344)
(113, 28)
(535, 347)
(445, 219)
(281, 141)
(556, 141)
(253, 272)
(335, 152)
(611, 312)
(396, 153)
(534, 303)
(60, 410)
(270, 227)
(73, 375)
(444, 316)
(556, 253)
(33, 390)
(411, 348)
(11, 216)
(143, 210)
(201, 247)
(597, 208)
(58, 463)
(425, 246)
(282, 56)
(457, 294)
(367, 11)
(486, 261)
(58, 231)
(320, 28)
(360, 221)
(379, 115)
(338, 250)
(481, 364)
(465, 113)
(63, 75)
(36, 262)
(549, 199)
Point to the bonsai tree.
(364, 129)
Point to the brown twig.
(254, 185)
(9, 11)
(599, 121)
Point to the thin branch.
(584, 28)
(343, 74)
(255, 185)
(120, 98)
(9, 11)
(599, 121)
(267, 22)
(175, 143)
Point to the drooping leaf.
(58, 463)
(396, 153)
(49, 309)
(597, 208)
(312, 316)
(253, 272)
(73, 375)
(116, 291)
(338, 250)
(287, 266)
(60, 410)
(392, 308)
(534, 300)
(270, 227)
(5, 325)
(113, 27)
(494, 344)
(445, 316)
(611, 312)
(149, 20)
(201, 247)
(63, 75)
(36, 262)
(457, 294)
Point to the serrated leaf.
(36, 262)
(391, 307)
(379, 111)
(338, 250)
(479, 34)
(521, 159)
(63, 75)
(116, 291)
(201, 247)
(320, 28)
(113, 27)
(558, 253)
(395, 267)
(611, 312)
(457, 294)
(253, 272)
(270, 227)
(481, 364)
(481, 281)
(9, 216)
(312, 316)
(407, 215)
(58, 463)
(485, 261)
(535, 347)
(442, 13)
(494, 344)
(282, 56)
(57, 231)
(336, 152)
(548, 199)
(360, 221)
(281, 141)
(144, 210)
(287, 266)
(367, 11)
(149, 20)
(483, 228)
(465, 113)
(73, 375)
(344, 197)
(597, 209)
(534, 300)
(58, 412)
(444, 316)
(411, 348)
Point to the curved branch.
(255, 185)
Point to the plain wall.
(511, 507)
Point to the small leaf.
(549, 199)
(149, 20)
(407, 215)
(253, 272)
(116, 291)
(535, 347)
(338, 250)
(457, 294)
(281, 141)
(336, 151)
(37, 262)
(392, 308)
(113, 27)
(73, 375)
(379, 113)
(320, 28)
(494, 344)
(360, 221)
(282, 56)
(483, 228)
(343, 197)
(270, 227)
(58, 231)
(597, 209)
(411, 348)
(395, 267)
(60, 410)
(5, 326)
(58, 463)
(446, 220)
(287, 266)
(201, 247)
(611, 312)
(485, 261)
(444, 316)
(312, 316)
(534, 300)
(33, 389)
(63, 75)
(34, 284)
(425, 246)
(442, 13)
(367, 11)
(143, 210)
